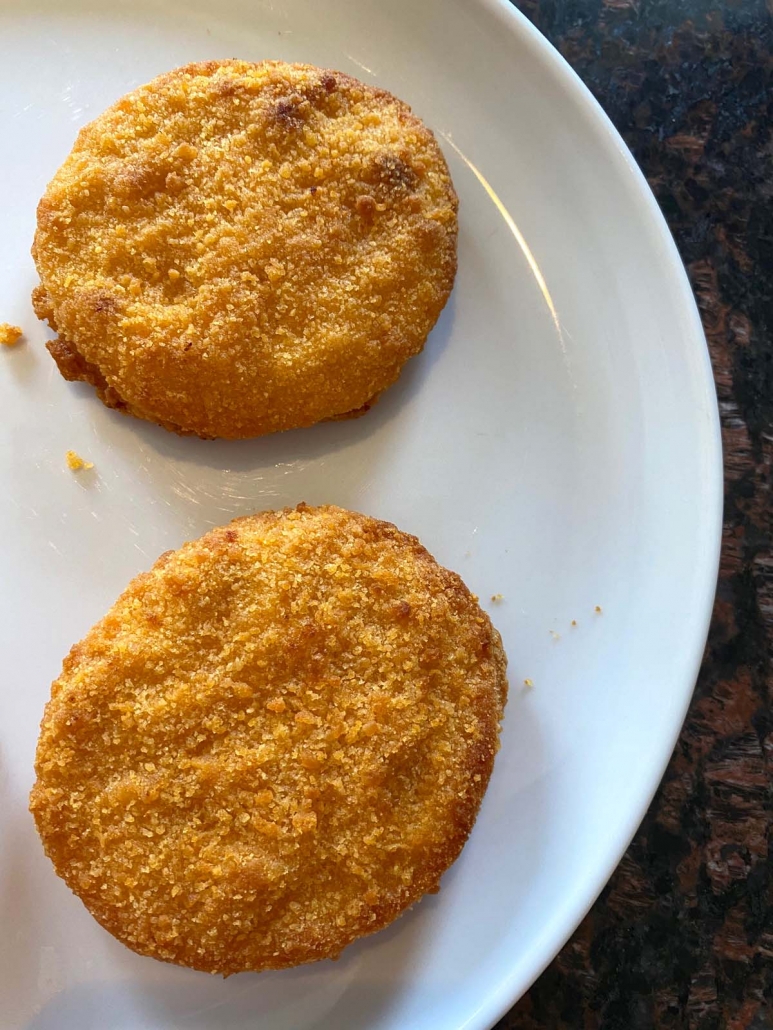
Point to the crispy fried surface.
(275, 741)
(236, 249)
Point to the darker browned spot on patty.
(111, 398)
(366, 208)
(72, 365)
(355, 412)
(74, 368)
(288, 111)
(323, 94)
(104, 303)
(391, 173)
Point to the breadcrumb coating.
(236, 249)
(275, 742)
(9, 334)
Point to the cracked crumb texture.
(9, 334)
(75, 462)
(236, 249)
(275, 742)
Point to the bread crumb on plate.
(9, 334)
(75, 463)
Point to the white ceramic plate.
(556, 443)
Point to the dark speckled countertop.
(682, 937)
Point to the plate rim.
(499, 1002)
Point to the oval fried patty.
(275, 741)
(236, 249)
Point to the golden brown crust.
(275, 742)
(243, 248)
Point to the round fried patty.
(236, 249)
(274, 742)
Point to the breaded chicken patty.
(236, 249)
(275, 742)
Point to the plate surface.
(556, 443)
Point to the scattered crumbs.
(75, 462)
(9, 334)
(554, 635)
(597, 609)
(496, 597)
(528, 684)
(574, 622)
